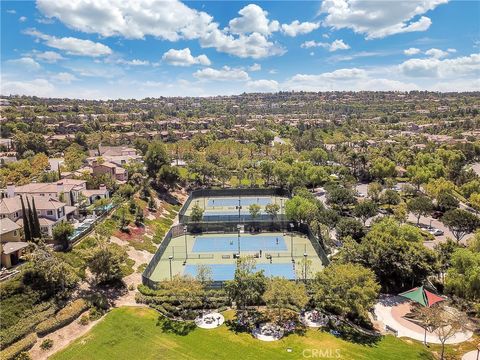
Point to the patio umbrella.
(422, 296)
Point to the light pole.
(239, 207)
(291, 239)
(185, 228)
(281, 207)
(305, 267)
(170, 258)
(238, 239)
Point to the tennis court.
(229, 243)
(224, 272)
(234, 201)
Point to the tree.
(187, 292)
(62, 233)
(446, 201)
(365, 210)
(126, 191)
(394, 252)
(49, 273)
(248, 285)
(36, 222)
(254, 210)
(168, 176)
(382, 168)
(26, 223)
(74, 157)
(204, 274)
(347, 290)
(474, 201)
(300, 209)
(340, 197)
(444, 322)
(444, 252)
(349, 227)
(374, 190)
(282, 294)
(463, 276)
(329, 218)
(196, 214)
(105, 261)
(421, 205)
(156, 157)
(400, 213)
(460, 222)
(272, 210)
(390, 197)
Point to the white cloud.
(134, 62)
(36, 87)
(22, 18)
(436, 53)
(26, 63)
(411, 51)
(352, 79)
(255, 67)
(466, 66)
(338, 45)
(298, 28)
(263, 85)
(450, 50)
(378, 19)
(253, 19)
(184, 58)
(71, 45)
(224, 74)
(48, 56)
(12, 11)
(170, 20)
(334, 46)
(64, 77)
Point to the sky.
(109, 49)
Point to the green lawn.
(132, 333)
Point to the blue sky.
(127, 49)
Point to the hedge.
(23, 327)
(13, 350)
(64, 317)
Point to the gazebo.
(422, 296)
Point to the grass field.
(132, 333)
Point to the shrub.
(96, 313)
(23, 356)
(84, 320)
(24, 327)
(64, 317)
(46, 344)
(20, 346)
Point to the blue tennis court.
(229, 243)
(262, 201)
(223, 272)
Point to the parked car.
(435, 231)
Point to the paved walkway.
(471, 355)
(390, 311)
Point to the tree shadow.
(181, 328)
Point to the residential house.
(66, 190)
(116, 172)
(50, 211)
(11, 244)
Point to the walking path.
(390, 311)
(471, 355)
